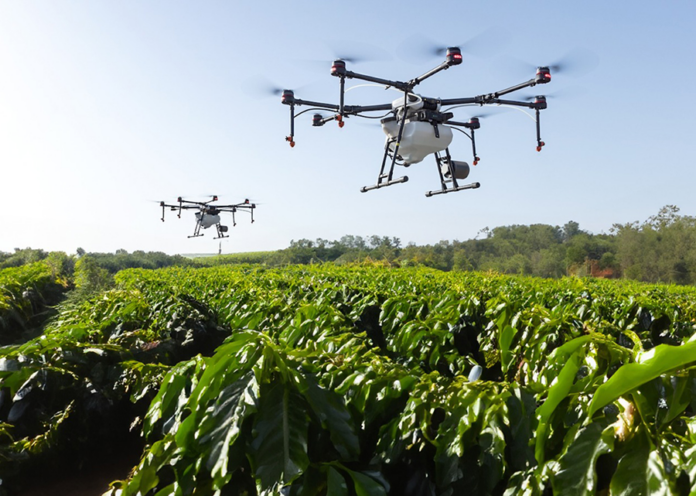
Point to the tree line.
(661, 249)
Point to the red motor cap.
(288, 97)
(338, 68)
(454, 56)
(543, 75)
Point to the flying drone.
(417, 126)
(209, 215)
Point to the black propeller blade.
(351, 52)
(565, 93)
(484, 44)
(486, 115)
(260, 86)
(577, 62)
(356, 52)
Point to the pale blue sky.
(107, 106)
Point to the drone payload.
(418, 126)
(209, 215)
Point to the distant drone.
(209, 215)
(416, 127)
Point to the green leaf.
(577, 465)
(279, 450)
(521, 409)
(366, 485)
(336, 483)
(170, 490)
(221, 426)
(506, 336)
(561, 353)
(640, 470)
(557, 393)
(334, 416)
(653, 363)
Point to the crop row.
(367, 380)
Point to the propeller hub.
(454, 56)
(474, 123)
(288, 97)
(543, 75)
(540, 102)
(317, 120)
(338, 68)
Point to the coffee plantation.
(326, 380)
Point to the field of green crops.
(362, 381)
(25, 293)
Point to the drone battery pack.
(418, 139)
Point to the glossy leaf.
(640, 469)
(577, 474)
(279, 448)
(653, 363)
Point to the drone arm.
(386, 82)
(460, 101)
(416, 81)
(327, 106)
(527, 84)
(357, 109)
(514, 103)
(493, 98)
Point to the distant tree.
(662, 249)
(22, 257)
(569, 230)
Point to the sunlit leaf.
(653, 363)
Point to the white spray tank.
(207, 220)
(419, 139)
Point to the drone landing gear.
(452, 190)
(197, 230)
(221, 230)
(385, 179)
(449, 171)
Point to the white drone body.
(419, 138)
(207, 220)
(415, 126)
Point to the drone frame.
(391, 156)
(205, 208)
